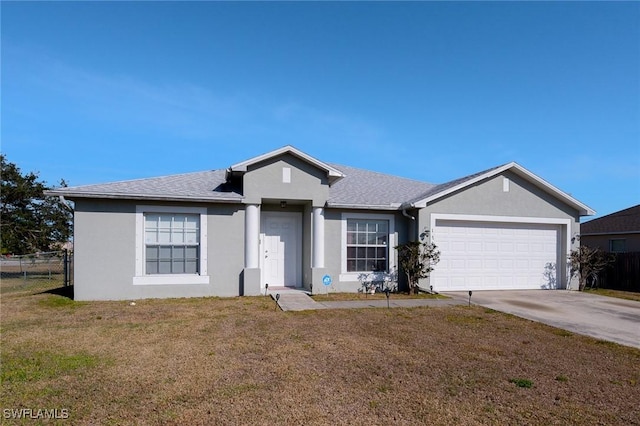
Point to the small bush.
(522, 383)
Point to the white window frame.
(168, 279)
(353, 276)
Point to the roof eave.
(149, 197)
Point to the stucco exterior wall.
(104, 250)
(105, 243)
(264, 181)
(335, 250)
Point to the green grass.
(53, 301)
(628, 295)
(27, 366)
(522, 383)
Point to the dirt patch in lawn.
(339, 297)
(239, 361)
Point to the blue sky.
(104, 91)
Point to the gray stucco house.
(287, 219)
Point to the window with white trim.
(172, 243)
(367, 245)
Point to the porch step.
(296, 301)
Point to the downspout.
(405, 214)
(63, 201)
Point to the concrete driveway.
(606, 318)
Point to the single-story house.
(617, 232)
(287, 219)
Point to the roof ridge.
(339, 166)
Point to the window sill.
(171, 279)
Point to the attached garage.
(498, 255)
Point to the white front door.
(281, 249)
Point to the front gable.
(285, 174)
(527, 181)
(503, 194)
(285, 178)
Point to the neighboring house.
(617, 232)
(287, 219)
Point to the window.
(367, 245)
(171, 245)
(618, 245)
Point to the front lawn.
(629, 295)
(240, 361)
(335, 297)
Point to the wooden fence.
(624, 274)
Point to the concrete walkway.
(295, 300)
(607, 318)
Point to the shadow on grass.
(64, 291)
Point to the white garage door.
(495, 256)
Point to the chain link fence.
(36, 272)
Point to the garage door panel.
(490, 264)
(494, 255)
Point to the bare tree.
(587, 262)
(417, 259)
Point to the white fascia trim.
(504, 219)
(582, 208)
(353, 276)
(119, 196)
(243, 166)
(140, 278)
(364, 206)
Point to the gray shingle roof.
(437, 189)
(199, 186)
(359, 188)
(367, 188)
(627, 220)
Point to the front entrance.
(281, 248)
